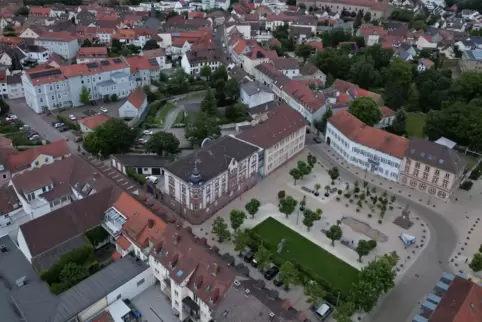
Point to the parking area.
(88, 110)
(154, 306)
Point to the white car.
(103, 109)
(147, 132)
(72, 117)
(11, 117)
(152, 179)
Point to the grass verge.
(415, 124)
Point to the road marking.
(115, 176)
(130, 187)
(127, 182)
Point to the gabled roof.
(21, 160)
(137, 98)
(281, 122)
(94, 121)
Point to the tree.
(289, 275)
(220, 74)
(364, 74)
(208, 104)
(362, 249)
(418, 24)
(311, 159)
(252, 207)
(163, 143)
(334, 233)
(304, 168)
(237, 218)
(314, 293)
(236, 112)
(263, 257)
(296, 174)
(304, 51)
(367, 17)
(302, 6)
(72, 274)
(86, 43)
(84, 96)
(220, 229)
(344, 312)
(332, 61)
(178, 82)
(358, 19)
(22, 11)
(399, 124)
(205, 72)
(241, 241)
(200, 126)
(309, 217)
(114, 97)
(476, 262)
(231, 89)
(334, 173)
(150, 44)
(366, 110)
(398, 81)
(287, 205)
(114, 136)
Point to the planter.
(317, 194)
(327, 194)
(302, 208)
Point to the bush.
(338, 199)
(379, 221)
(114, 97)
(369, 215)
(97, 235)
(281, 194)
(390, 207)
(357, 209)
(327, 194)
(357, 190)
(136, 177)
(467, 185)
(347, 195)
(340, 192)
(474, 175)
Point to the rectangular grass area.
(415, 124)
(314, 259)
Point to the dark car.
(248, 258)
(93, 103)
(78, 139)
(317, 139)
(278, 281)
(62, 129)
(270, 273)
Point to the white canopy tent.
(407, 239)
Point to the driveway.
(402, 302)
(154, 306)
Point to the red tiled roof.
(316, 45)
(371, 137)
(39, 11)
(386, 112)
(92, 52)
(59, 36)
(137, 63)
(281, 123)
(94, 121)
(123, 243)
(21, 160)
(196, 14)
(137, 97)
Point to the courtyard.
(342, 203)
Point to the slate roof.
(435, 155)
(142, 160)
(213, 159)
(8, 200)
(255, 87)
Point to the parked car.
(249, 256)
(271, 272)
(147, 132)
(34, 137)
(278, 281)
(322, 311)
(93, 103)
(152, 179)
(134, 310)
(62, 129)
(103, 109)
(32, 133)
(72, 117)
(254, 262)
(317, 139)
(78, 139)
(58, 124)
(141, 141)
(11, 117)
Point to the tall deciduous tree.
(304, 168)
(362, 249)
(314, 293)
(208, 104)
(296, 174)
(221, 230)
(287, 205)
(334, 233)
(476, 262)
(366, 110)
(205, 72)
(150, 44)
(237, 218)
(263, 257)
(200, 126)
(231, 89)
(304, 51)
(252, 207)
(398, 81)
(163, 143)
(309, 217)
(289, 275)
(114, 136)
(84, 96)
(364, 74)
(241, 241)
(399, 124)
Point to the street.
(402, 302)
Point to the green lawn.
(315, 260)
(162, 113)
(415, 124)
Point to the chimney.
(215, 269)
(3, 249)
(150, 223)
(236, 284)
(246, 293)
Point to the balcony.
(166, 287)
(113, 222)
(190, 308)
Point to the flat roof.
(118, 310)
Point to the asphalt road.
(402, 302)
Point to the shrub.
(340, 192)
(347, 195)
(474, 175)
(466, 185)
(351, 200)
(281, 194)
(356, 196)
(357, 209)
(379, 221)
(357, 190)
(338, 199)
(327, 194)
(369, 215)
(135, 176)
(390, 207)
(68, 123)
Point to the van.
(323, 311)
(152, 179)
